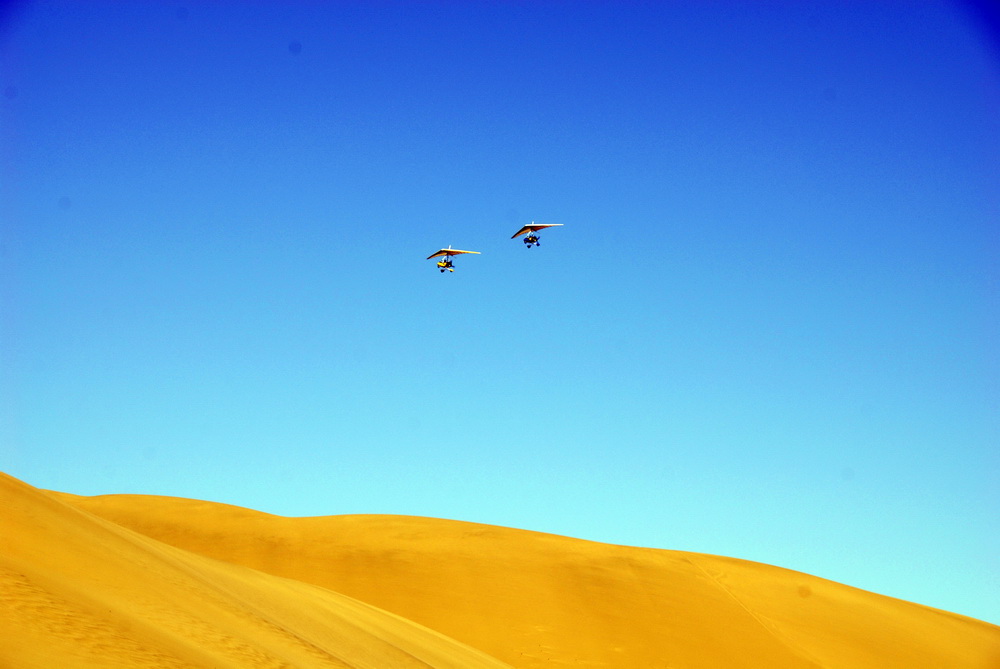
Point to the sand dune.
(79, 591)
(128, 580)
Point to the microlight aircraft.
(532, 230)
(446, 254)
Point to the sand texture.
(142, 581)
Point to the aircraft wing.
(449, 252)
(535, 227)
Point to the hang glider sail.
(445, 255)
(532, 232)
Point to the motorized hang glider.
(445, 255)
(532, 232)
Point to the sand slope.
(79, 591)
(524, 598)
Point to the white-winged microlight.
(531, 230)
(445, 264)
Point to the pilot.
(445, 265)
(531, 239)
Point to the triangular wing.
(535, 227)
(449, 252)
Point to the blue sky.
(768, 328)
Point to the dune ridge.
(309, 591)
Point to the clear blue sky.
(768, 328)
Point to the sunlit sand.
(142, 581)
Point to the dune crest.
(316, 591)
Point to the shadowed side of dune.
(535, 600)
(80, 591)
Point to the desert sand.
(144, 581)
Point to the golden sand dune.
(79, 591)
(207, 584)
